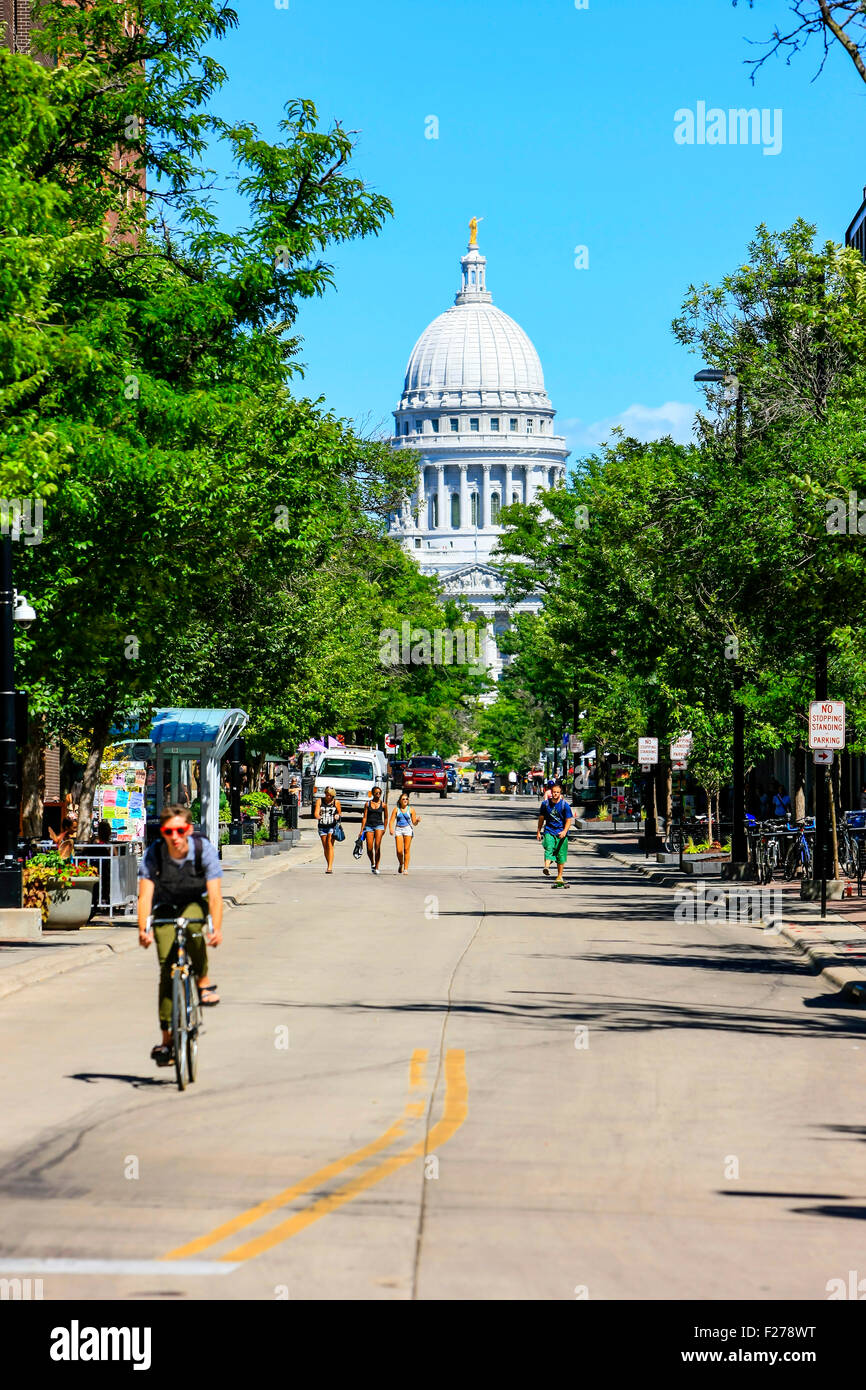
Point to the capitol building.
(475, 411)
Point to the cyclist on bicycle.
(179, 877)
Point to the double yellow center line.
(453, 1115)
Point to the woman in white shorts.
(402, 826)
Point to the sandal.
(163, 1054)
(204, 991)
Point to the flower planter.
(71, 903)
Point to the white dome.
(474, 354)
(476, 348)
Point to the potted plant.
(61, 889)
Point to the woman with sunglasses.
(179, 877)
(404, 818)
(327, 811)
(373, 826)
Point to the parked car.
(425, 774)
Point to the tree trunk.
(33, 780)
(834, 831)
(709, 796)
(663, 791)
(89, 782)
(799, 800)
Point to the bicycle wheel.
(179, 1031)
(194, 1022)
(769, 862)
(792, 859)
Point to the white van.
(353, 773)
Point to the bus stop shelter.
(190, 745)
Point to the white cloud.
(644, 422)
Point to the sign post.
(648, 756)
(826, 734)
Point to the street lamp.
(739, 852)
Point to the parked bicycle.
(800, 858)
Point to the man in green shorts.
(554, 821)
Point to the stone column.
(444, 521)
(464, 496)
(529, 484)
(485, 514)
(509, 484)
(422, 502)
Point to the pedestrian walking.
(554, 822)
(512, 782)
(781, 802)
(327, 812)
(404, 818)
(373, 827)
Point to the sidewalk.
(28, 962)
(835, 945)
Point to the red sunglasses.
(171, 831)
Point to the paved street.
(490, 1090)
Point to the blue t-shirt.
(556, 816)
(210, 862)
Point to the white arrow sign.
(822, 757)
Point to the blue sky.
(556, 125)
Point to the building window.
(406, 427)
(434, 509)
(455, 510)
(455, 425)
(435, 425)
(495, 508)
(512, 424)
(494, 424)
(475, 517)
(515, 498)
(417, 542)
(419, 426)
(529, 427)
(473, 425)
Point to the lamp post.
(739, 852)
(236, 836)
(13, 608)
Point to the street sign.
(680, 748)
(646, 767)
(648, 750)
(679, 765)
(822, 757)
(827, 724)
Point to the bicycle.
(799, 854)
(186, 1013)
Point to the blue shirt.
(210, 862)
(555, 816)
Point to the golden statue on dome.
(473, 231)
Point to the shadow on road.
(137, 1082)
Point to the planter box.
(71, 904)
(663, 856)
(703, 868)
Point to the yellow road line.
(331, 1170)
(416, 1068)
(454, 1113)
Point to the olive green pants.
(163, 933)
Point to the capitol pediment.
(473, 580)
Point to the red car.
(425, 775)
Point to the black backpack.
(159, 857)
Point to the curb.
(32, 972)
(810, 939)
